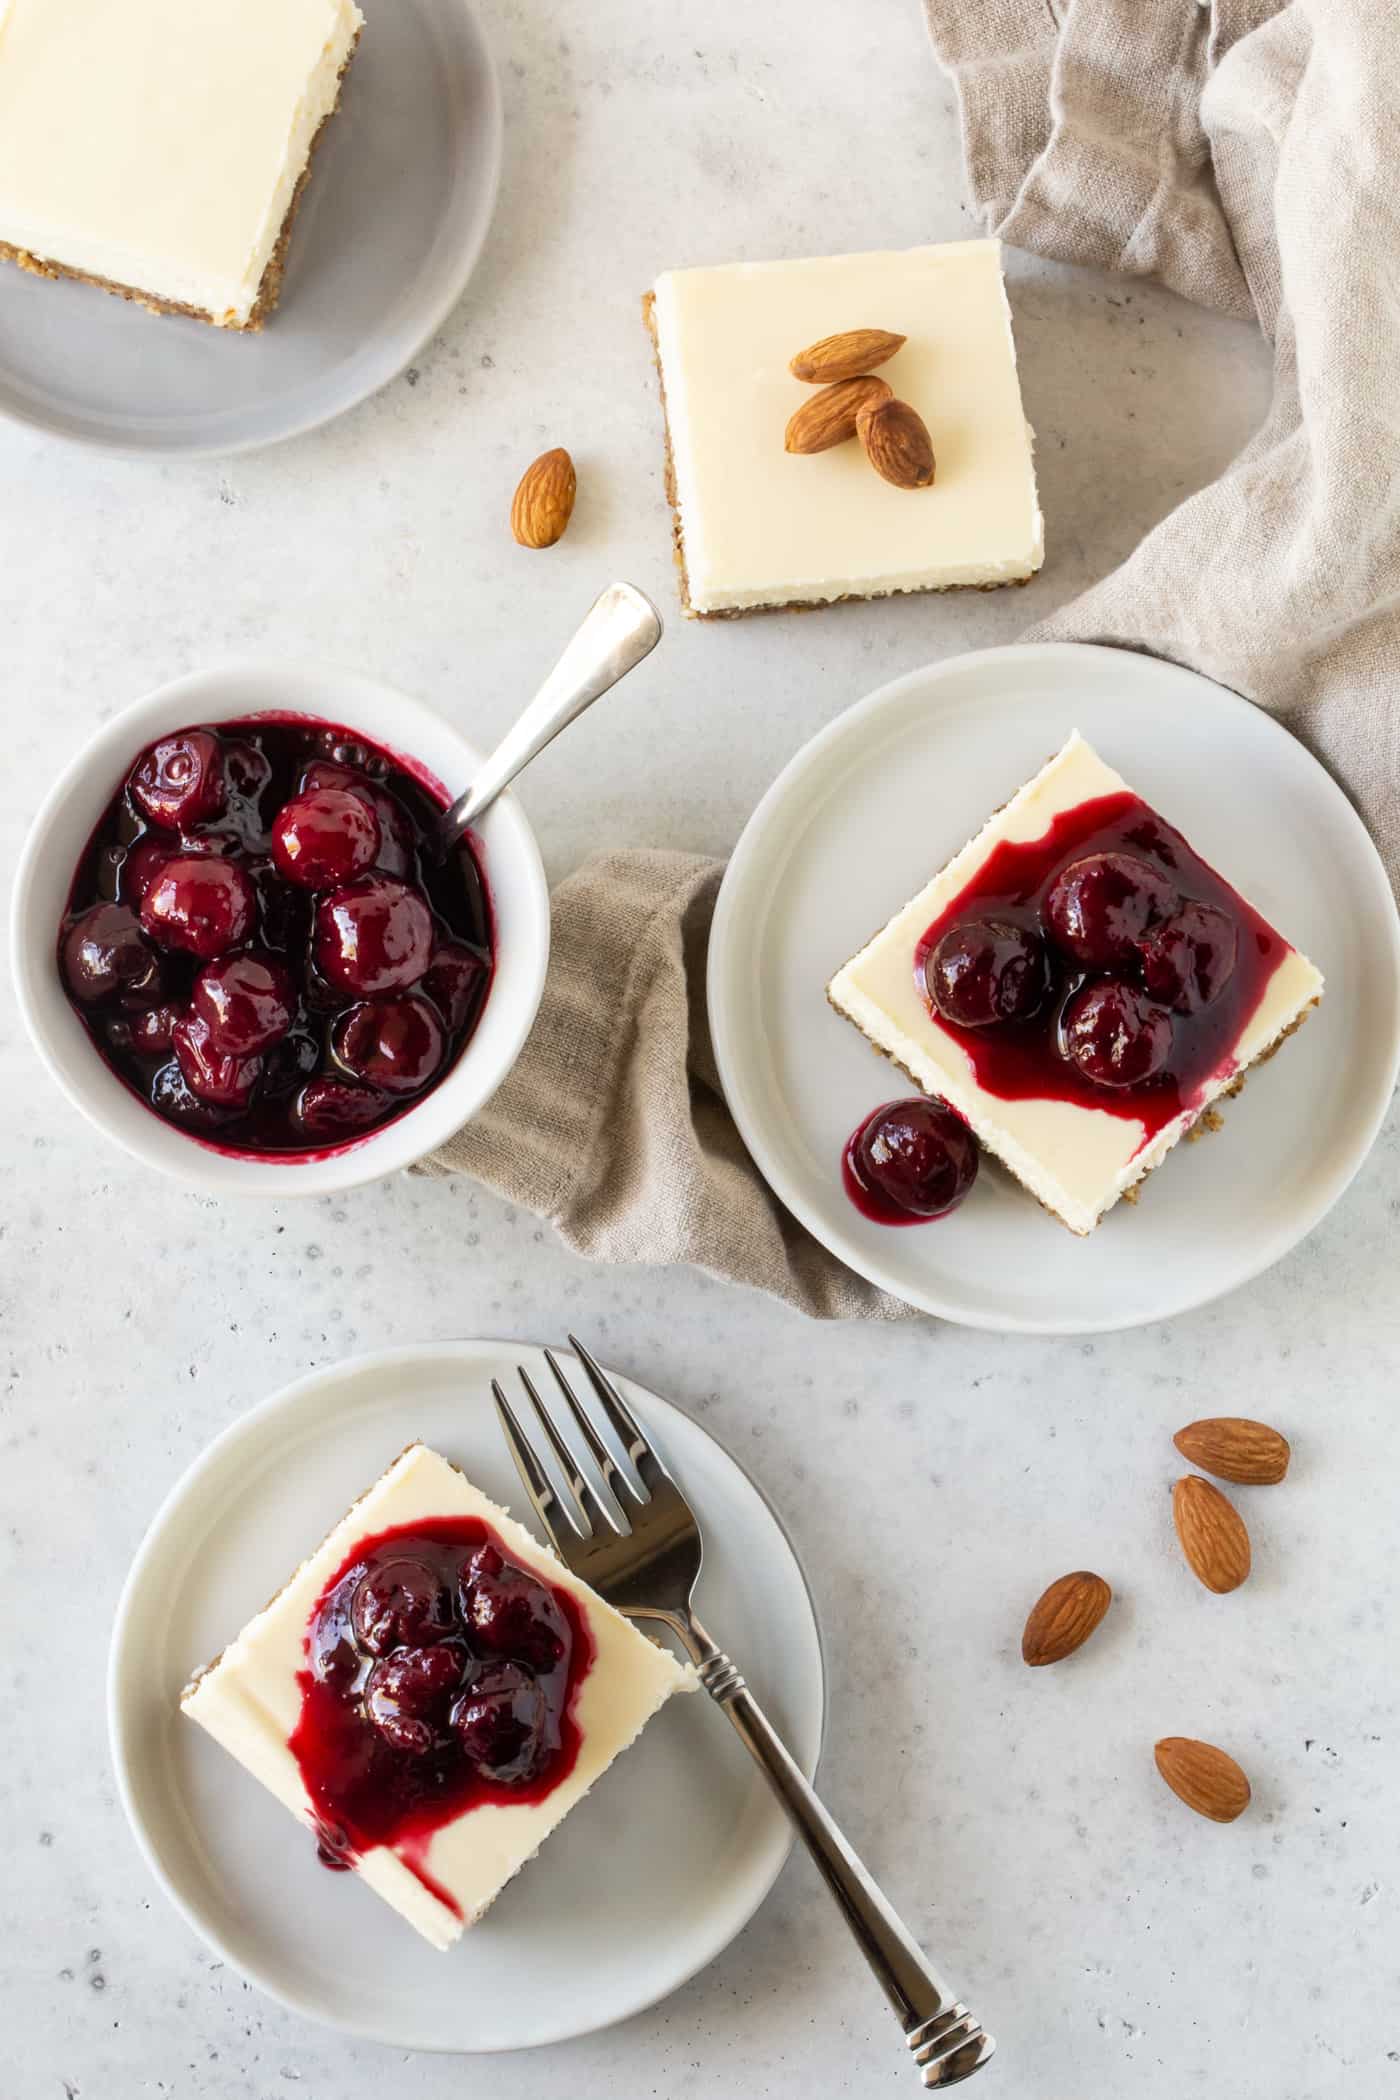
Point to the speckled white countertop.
(933, 1478)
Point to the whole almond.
(1063, 1619)
(829, 418)
(845, 356)
(897, 444)
(544, 501)
(1212, 1534)
(1235, 1448)
(1205, 1778)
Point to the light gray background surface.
(933, 1479)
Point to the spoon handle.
(620, 628)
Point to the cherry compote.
(263, 943)
(1103, 963)
(440, 1674)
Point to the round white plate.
(390, 227)
(873, 806)
(641, 1885)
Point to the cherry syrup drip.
(262, 943)
(1024, 1059)
(440, 1675)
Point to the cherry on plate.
(227, 1082)
(104, 956)
(372, 935)
(501, 1722)
(1189, 959)
(406, 1695)
(204, 907)
(509, 1613)
(1115, 1034)
(325, 836)
(245, 1001)
(1098, 908)
(394, 1044)
(919, 1155)
(400, 1603)
(985, 971)
(180, 780)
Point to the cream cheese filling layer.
(761, 526)
(157, 143)
(249, 1700)
(1078, 1161)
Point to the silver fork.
(644, 1556)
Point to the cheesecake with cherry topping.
(1078, 985)
(431, 1694)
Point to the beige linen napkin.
(1243, 154)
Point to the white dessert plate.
(643, 1884)
(877, 802)
(389, 230)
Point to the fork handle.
(945, 2040)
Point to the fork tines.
(585, 1512)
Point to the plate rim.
(434, 313)
(722, 974)
(247, 1427)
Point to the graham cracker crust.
(268, 291)
(797, 605)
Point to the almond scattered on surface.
(829, 418)
(1064, 1617)
(897, 444)
(1205, 1778)
(544, 500)
(1212, 1534)
(845, 356)
(1234, 1448)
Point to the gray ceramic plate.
(392, 222)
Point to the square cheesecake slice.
(431, 1693)
(1079, 985)
(758, 527)
(159, 148)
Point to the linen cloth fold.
(1244, 154)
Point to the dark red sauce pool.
(440, 1674)
(262, 942)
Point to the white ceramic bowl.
(70, 814)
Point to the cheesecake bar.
(432, 1693)
(758, 527)
(159, 148)
(1079, 985)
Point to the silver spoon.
(620, 628)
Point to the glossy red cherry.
(139, 869)
(227, 1082)
(325, 836)
(150, 1032)
(1115, 1034)
(180, 780)
(1189, 959)
(204, 907)
(245, 1001)
(333, 1108)
(501, 1722)
(400, 1603)
(1098, 908)
(396, 839)
(406, 1696)
(172, 1097)
(104, 956)
(393, 1044)
(372, 935)
(508, 1613)
(985, 971)
(919, 1155)
(455, 981)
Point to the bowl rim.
(225, 691)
